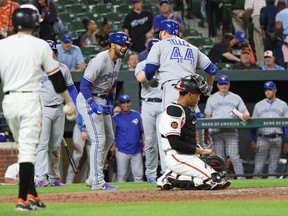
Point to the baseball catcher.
(187, 169)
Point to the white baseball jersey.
(102, 72)
(48, 94)
(176, 58)
(37, 59)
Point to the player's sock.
(26, 171)
(32, 187)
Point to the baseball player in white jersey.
(178, 130)
(174, 58)
(221, 105)
(24, 59)
(268, 140)
(150, 112)
(95, 104)
(80, 141)
(48, 152)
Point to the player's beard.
(119, 53)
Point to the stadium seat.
(124, 8)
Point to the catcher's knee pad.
(183, 183)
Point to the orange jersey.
(6, 14)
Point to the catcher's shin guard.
(183, 184)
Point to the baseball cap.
(124, 98)
(268, 53)
(66, 38)
(269, 85)
(240, 35)
(223, 79)
(246, 50)
(164, 1)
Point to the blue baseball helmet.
(119, 38)
(52, 44)
(170, 26)
(269, 85)
(152, 42)
(223, 79)
(124, 98)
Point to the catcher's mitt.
(216, 162)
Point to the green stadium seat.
(75, 25)
(200, 41)
(188, 32)
(103, 8)
(124, 8)
(86, 51)
(223, 65)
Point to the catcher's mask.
(194, 84)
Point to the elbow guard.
(58, 82)
(211, 69)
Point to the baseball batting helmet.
(196, 84)
(119, 38)
(53, 46)
(124, 98)
(170, 26)
(269, 85)
(152, 42)
(223, 79)
(26, 17)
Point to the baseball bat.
(69, 155)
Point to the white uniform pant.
(188, 165)
(100, 131)
(23, 114)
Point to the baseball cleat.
(105, 186)
(35, 202)
(164, 184)
(88, 182)
(56, 184)
(42, 183)
(151, 180)
(23, 205)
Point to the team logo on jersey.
(135, 121)
(174, 125)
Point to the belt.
(270, 135)
(8, 92)
(103, 96)
(156, 100)
(53, 106)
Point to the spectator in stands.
(138, 25)
(282, 24)
(102, 36)
(89, 36)
(48, 12)
(268, 140)
(237, 8)
(242, 42)
(132, 61)
(214, 13)
(129, 141)
(143, 55)
(6, 10)
(221, 52)
(269, 60)
(252, 9)
(245, 61)
(12, 174)
(165, 8)
(70, 55)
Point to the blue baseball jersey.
(160, 17)
(128, 129)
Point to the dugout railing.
(244, 146)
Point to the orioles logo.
(174, 125)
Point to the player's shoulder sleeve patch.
(174, 110)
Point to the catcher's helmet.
(119, 38)
(170, 26)
(223, 79)
(195, 84)
(124, 98)
(269, 85)
(26, 17)
(152, 42)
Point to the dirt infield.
(122, 196)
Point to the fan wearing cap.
(245, 61)
(95, 104)
(266, 142)
(129, 141)
(269, 61)
(241, 43)
(177, 126)
(138, 25)
(220, 105)
(165, 9)
(70, 54)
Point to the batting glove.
(109, 110)
(153, 82)
(97, 108)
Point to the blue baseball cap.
(223, 79)
(124, 98)
(164, 1)
(66, 38)
(240, 35)
(269, 85)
